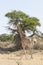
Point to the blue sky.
(31, 7)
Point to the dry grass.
(18, 57)
(14, 58)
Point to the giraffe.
(24, 41)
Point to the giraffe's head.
(34, 40)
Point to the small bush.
(38, 46)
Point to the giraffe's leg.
(30, 50)
(31, 53)
(39, 49)
(25, 52)
(30, 46)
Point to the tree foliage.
(6, 37)
(27, 22)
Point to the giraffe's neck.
(22, 35)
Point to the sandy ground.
(15, 59)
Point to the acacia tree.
(26, 22)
